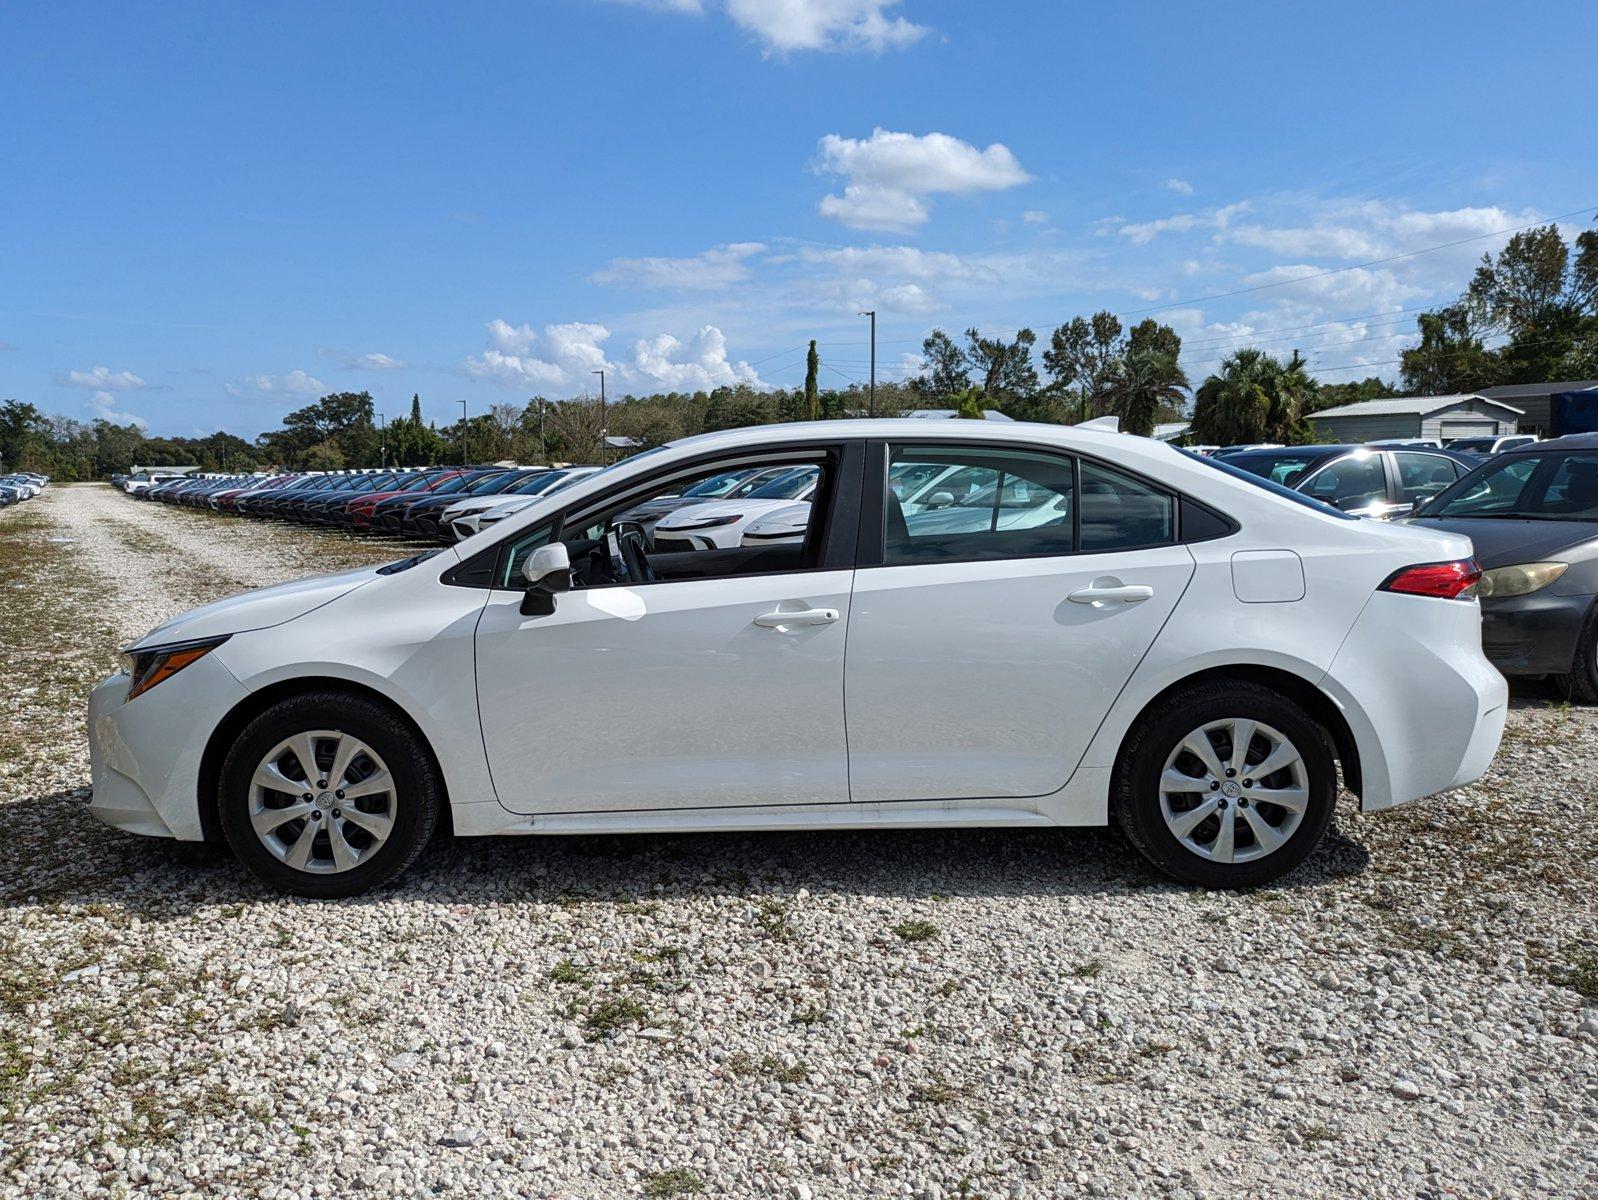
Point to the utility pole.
(871, 403)
(543, 446)
(382, 439)
(463, 433)
(604, 425)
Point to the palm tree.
(1253, 398)
(1139, 383)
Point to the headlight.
(1519, 580)
(159, 663)
(707, 523)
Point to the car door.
(1356, 483)
(1420, 476)
(989, 636)
(687, 692)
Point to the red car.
(358, 512)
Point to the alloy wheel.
(322, 801)
(1234, 790)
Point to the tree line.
(1528, 315)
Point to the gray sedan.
(1532, 514)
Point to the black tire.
(417, 793)
(1135, 793)
(1581, 684)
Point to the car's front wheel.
(1226, 785)
(328, 794)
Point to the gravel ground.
(933, 1014)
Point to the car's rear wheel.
(328, 794)
(1226, 784)
(1581, 684)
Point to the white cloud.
(787, 25)
(1035, 216)
(380, 362)
(102, 406)
(295, 383)
(698, 364)
(563, 358)
(717, 267)
(1180, 186)
(901, 279)
(885, 210)
(784, 26)
(1141, 233)
(890, 175)
(105, 379)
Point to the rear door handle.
(1097, 594)
(799, 616)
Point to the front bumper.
(1535, 634)
(144, 755)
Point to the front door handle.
(799, 616)
(1102, 592)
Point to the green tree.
(1142, 383)
(945, 370)
(1253, 398)
(1451, 357)
(1080, 358)
(969, 405)
(1006, 376)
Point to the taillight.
(1444, 580)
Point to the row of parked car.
(756, 507)
(441, 504)
(20, 486)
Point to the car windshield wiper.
(405, 564)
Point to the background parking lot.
(930, 1014)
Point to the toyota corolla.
(1167, 645)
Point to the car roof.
(1570, 441)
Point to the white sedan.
(1189, 652)
(475, 513)
(717, 524)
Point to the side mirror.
(547, 571)
(940, 499)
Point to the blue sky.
(210, 214)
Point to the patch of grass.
(610, 1015)
(1088, 969)
(1580, 975)
(935, 1091)
(679, 1181)
(566, 971)
(916, 931)
(773, 920)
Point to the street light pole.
(604, 424)
(463, 433)
(871, 403)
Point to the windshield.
(453, 483)
(717, 485)
(1279, 466)
(489, 484)
(534, 484)
(788, 485)
(1259, 481)
(1472, 445)
(1528, 487)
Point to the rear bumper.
(1425, 706)
(1535, 634)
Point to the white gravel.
(930, 1014)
